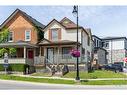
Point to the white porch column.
(24, 52)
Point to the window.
(54, 34)
(88, 56)
(83, 51)
(88, 41)
(10, 37)
(27, 35)
(95, 42)
(107, 44)
(65, 52)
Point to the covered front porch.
(58, 52)
(25, 53)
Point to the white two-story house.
(60, 38)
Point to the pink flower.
(75, 53)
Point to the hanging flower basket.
(75, 53)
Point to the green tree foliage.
(2, 51)
(4, 33)
(40, 32)
(12, 51)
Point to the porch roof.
(46, 42)
(17, 44)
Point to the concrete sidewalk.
(69, 78)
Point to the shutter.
(50, 34)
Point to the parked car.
(113, 67)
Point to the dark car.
(113, 67)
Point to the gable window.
(27, 35)
(10, 36)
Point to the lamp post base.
(77, 79)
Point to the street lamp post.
(75, 12)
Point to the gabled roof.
(65, 22)
(32, 20)
(96, 37)
(68, 23)
(54, 20)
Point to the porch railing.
(56, 59)
(14, 60)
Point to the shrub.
(15, 67)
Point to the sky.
(103, 20)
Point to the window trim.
(12, 36)
(30, 35)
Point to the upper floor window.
(107, 44)
(27, 35)
(83, 51)
(10, 36)
(88, 41)
(54, 34)
(95, 42)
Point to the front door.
(50, 55)
(30, 54)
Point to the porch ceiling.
(17, 44)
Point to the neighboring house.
(60, 38)
(116, 48)
(97, 41)
(100, 54)
(24, 34)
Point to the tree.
(4, 33)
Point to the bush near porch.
(15, 67)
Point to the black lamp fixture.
(75, 13)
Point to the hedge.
(15, 67)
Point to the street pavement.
(20, 85)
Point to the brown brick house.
(24, 33)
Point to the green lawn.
(59, 81)
(96, 74)
(85, 75)
(40, 80)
